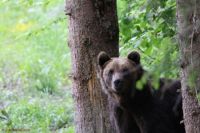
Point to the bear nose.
(118, 83)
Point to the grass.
(34, 66)
(37, 112)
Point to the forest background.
(35, 65)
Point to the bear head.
(119, 75)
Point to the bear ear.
(134, 56)
(103, 58)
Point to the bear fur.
(136, 110)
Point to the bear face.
(146, 110)
(119, 75)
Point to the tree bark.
(93, 27)
(188, 20)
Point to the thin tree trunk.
(93, 27)
(188, 18)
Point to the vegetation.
(149, 27)
(34, 67)
(35, 60)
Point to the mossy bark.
(93, 27)
(188, 20)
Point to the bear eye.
(110, 72)
(125, 70)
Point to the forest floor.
(34, 111)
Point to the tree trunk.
(188, 18)
(93, 27)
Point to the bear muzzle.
(118, 85)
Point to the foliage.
(149, 27)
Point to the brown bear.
(136, 110)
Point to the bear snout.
(118, 84)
